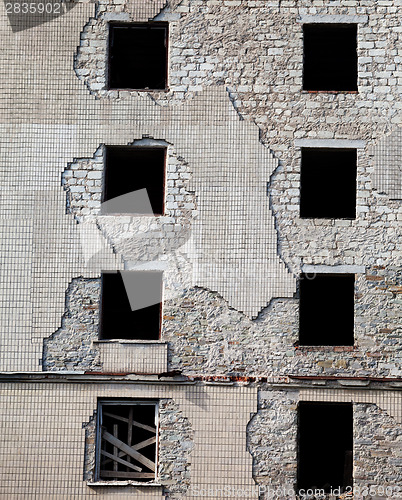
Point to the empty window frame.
(330, 57)
(328, 183)
(126, 444)
(131, 305)
(325, 447)
(327, 309)
(138, 56)
(129, 169)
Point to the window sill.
(120, 214)
(138, 90)
(123, 483)
(326, 348)
(129, 341)
(327, 219)
(330, 92)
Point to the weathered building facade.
(268, 361)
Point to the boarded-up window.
(127, 440)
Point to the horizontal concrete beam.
(117, 16)
(345, 269)
(335, 19)
(330, 143)
(155, 265)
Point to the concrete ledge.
(330, 143)
(133, 357)
(335, 19)
(116, 16)
(345, 269)
(124, 483)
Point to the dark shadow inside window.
(118, 321)
(128, 169)
(330, 57)
(325, 454)
(138, 56)
(327, 309)
(328, 183)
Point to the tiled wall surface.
(223, 454)
(388, 400)
(133, 357)
(52, 468)
(234, 120)
(237, 248)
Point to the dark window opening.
(330, 57)
(138, 56)
(126, 441)
(325, 454)
(328, 183)
(129, 169)
(139, 291)
(327, 309)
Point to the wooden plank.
(145, 443)
(136, 424)
(130, 426)
(115, 451)
(120, 460)
(130, 429)
(127, 475)
(119, 455)
(137, 447)
(130, 451)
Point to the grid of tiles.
(390, 401)
(143, 10)
(41, 245)
(53, 468)
(387, 163)
(133, 357)
(55, 120)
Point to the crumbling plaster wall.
(205, 425)
(205, 335)
(200, 427)
(241, 46)
(83, 181)
(71, 346)
(377, 449)
(139, 239)
(272, 441)
(66, 122)
(255, 50)
(247, 44)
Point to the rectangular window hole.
(328, 183)
(138, 56)
(325, 451)
(327, 309)
(129, 169)
(138, 289)
(330, 57)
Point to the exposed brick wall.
(70, 347)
